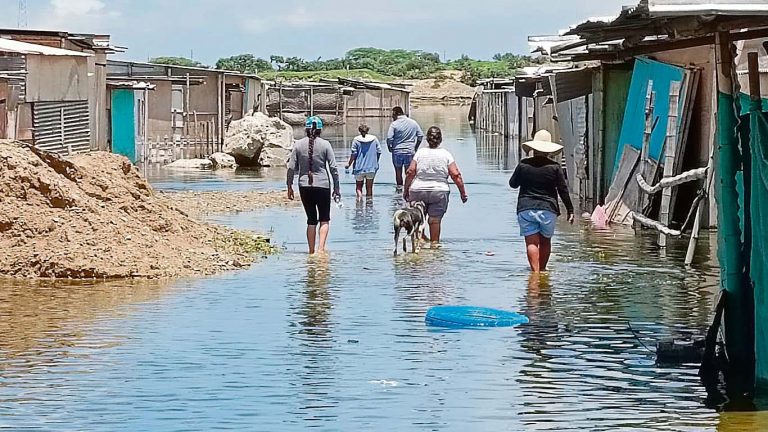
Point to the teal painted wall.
(124, 123)
(633, 126)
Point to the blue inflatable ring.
(472, 316)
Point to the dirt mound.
(94, 216)
(445, 89)
(201, 204)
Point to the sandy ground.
(94, 216)
(448, 90)
(201, 204)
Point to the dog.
(413, 221)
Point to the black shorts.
(317, 204)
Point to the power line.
(22, 21)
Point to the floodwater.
(339, 343)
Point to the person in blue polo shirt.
(403, 139)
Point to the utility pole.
(22, 17)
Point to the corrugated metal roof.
(718, 7)
(8, 45)
(190, 68)
(135, 85)
(572, 84)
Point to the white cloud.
(255, 25)
(76, 16)
(299, 19)
(77, 7)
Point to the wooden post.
(710, 176)
(754, 76)
(598, 136)
(670, 149)
(381, 104)
(311, 101)
(520, 119)
(650, 97)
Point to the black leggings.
(316, 201)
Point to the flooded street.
(339, 343)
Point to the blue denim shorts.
(537, 222)
(402, 159)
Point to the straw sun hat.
(542, 142)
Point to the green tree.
(296, 64)
(399, 63)
(244, 63)
(177, 61)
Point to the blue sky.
(322, 28)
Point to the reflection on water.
(496, 151)
(316, 309)
(365, 218)
(339, 342)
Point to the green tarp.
(731, 255)
(742, 197)
(758, 125)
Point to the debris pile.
(94, 216)
(259, 140)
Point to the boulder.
(259, 140)
(222, 160)
(191, 164)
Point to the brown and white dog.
(413, 220)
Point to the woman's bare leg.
(545, 250)
(311, 237)
(368, 188)
(359, 190)
(324, 228)
(434, 230)
(532, 249)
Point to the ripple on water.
(340, 343)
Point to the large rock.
(191, 164)
(222, 160)
(259, 140)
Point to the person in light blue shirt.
(403, 139)
(366, 151)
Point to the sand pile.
(201, 204)
(94, 216)
(259, 140)
(446, 90)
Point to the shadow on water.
(339, 342)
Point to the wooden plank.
(691, 85)
(670, 149)
(650, 97)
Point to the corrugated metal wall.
(497, 111)
(376, 103)
(15, 64)
(62, 127)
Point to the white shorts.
(365, 176)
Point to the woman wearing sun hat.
(540, 180)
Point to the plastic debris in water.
(472, 316)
